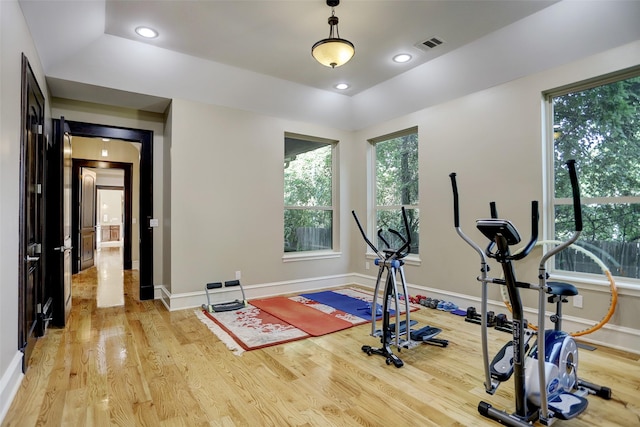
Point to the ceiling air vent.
(431, 43)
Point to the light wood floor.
(140, 365)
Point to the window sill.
(309, 256)
(598, 284)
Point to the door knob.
(32, 258)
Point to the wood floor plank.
(142, 365)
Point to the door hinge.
(39, 129)
(38, 188)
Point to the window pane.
(392, 219)
(611, 236)
(307, 175)
(599, 127)
(397, 171)
(307, 230)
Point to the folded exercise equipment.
(236, 304)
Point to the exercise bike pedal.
(567, 405)
(502, 364)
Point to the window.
(396, 185)
(598, 125)
(308, 193)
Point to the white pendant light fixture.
(333, 51)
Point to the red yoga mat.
(312, 321)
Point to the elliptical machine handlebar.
(456, 223)
(364, 236)
(577, 214)
(575, 191)
(494, 215)
(571, 166)
(493, 209)
(456, 207)
(398, 253)
(535, 217)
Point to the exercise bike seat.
(566, 405)
(562, 289)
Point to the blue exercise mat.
(344, 303)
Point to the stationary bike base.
(485, 409)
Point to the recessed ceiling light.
(342, 86)
(146, 32)
(402, 57)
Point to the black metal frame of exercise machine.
(399, 333)
(552, 390)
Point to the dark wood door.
(87, 218)
(31, 213)
(58, 208)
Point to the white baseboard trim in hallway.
(9, 384)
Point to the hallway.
(103, 282)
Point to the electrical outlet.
(366, 265)
(238, 274)
(577, 301)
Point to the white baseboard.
(618, 337)
(9, 384)
(613, 336)
(264, 290)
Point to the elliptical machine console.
(546, 388)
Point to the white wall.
(14, 40)
(110, 206)
(227, 198)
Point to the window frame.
(371, 226)
(591, 281)
(334, 251)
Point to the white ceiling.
(256, 55)
(275, 37)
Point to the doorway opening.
(84, 222)
(144, 190)
(110, 213)
(80, 179)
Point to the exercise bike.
(398, 333)
(546, 388)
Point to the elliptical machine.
(546, 388)
(399, 333)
